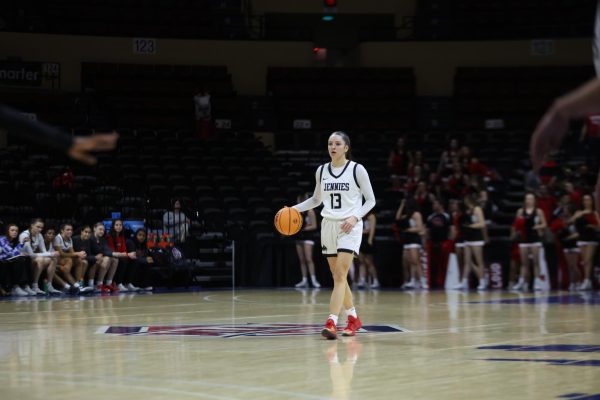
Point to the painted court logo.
(235, 330)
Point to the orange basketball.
(288, 221)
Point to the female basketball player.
(340, 187)
(587, 223)
(530, 242)
(304, 247)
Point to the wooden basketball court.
(262, 344)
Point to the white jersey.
(65, 245)
(341, 194)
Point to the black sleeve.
(34, 131)
(130, 245)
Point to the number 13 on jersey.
(336, 201)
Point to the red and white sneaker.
(353, 325)
(113, 288)
(330, 330)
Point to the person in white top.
(340, 187)
(43, 259)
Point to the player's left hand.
(349, 224)
(83, 146)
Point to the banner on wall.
(30, 73)
(21, 73)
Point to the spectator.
(457, 183)
(587, 223)
(143, 260)
(43, 259)
(203, 113)
(532, 224)
(399, 158)
(410, 223)
(447, 156)
(564, 201)
(367, 249)
(49, 236)
(15, 269)
(546, 202)
(424, 198)
(438, 244)
(117, 243)
(305, 244)
(83, 243)
(418, 161)
(108, 261)
(532, 181)
(574, 194)
(70, 260)
(176, 223)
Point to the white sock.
(76, 284)
(334, 318)
(90, 282)
(351, 311)
(67, 286)
(108, 282)
(314, 278)
(34, 286)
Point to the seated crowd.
(90, 262)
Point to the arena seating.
(517, 95)
(506, 19)
(209, 19)
(364, 98)
(157, 96)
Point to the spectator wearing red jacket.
(117, 242)
(546, 202)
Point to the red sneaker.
(104, 288)
(330, 331)
(353, 325)
(113, 288)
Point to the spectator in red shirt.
(399, 158)
(546, 202)
(574, 194)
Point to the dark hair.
(175, 200)
(138, 245)
(97, 224)
(346, 140)
(591, 197)
(114, 233)
(83, 228)
(34, 221)
(411, 206)
(63, 226)
(15, 240)
(471, 198)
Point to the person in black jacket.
(83, 242)
(109, 262)
(141, 264)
